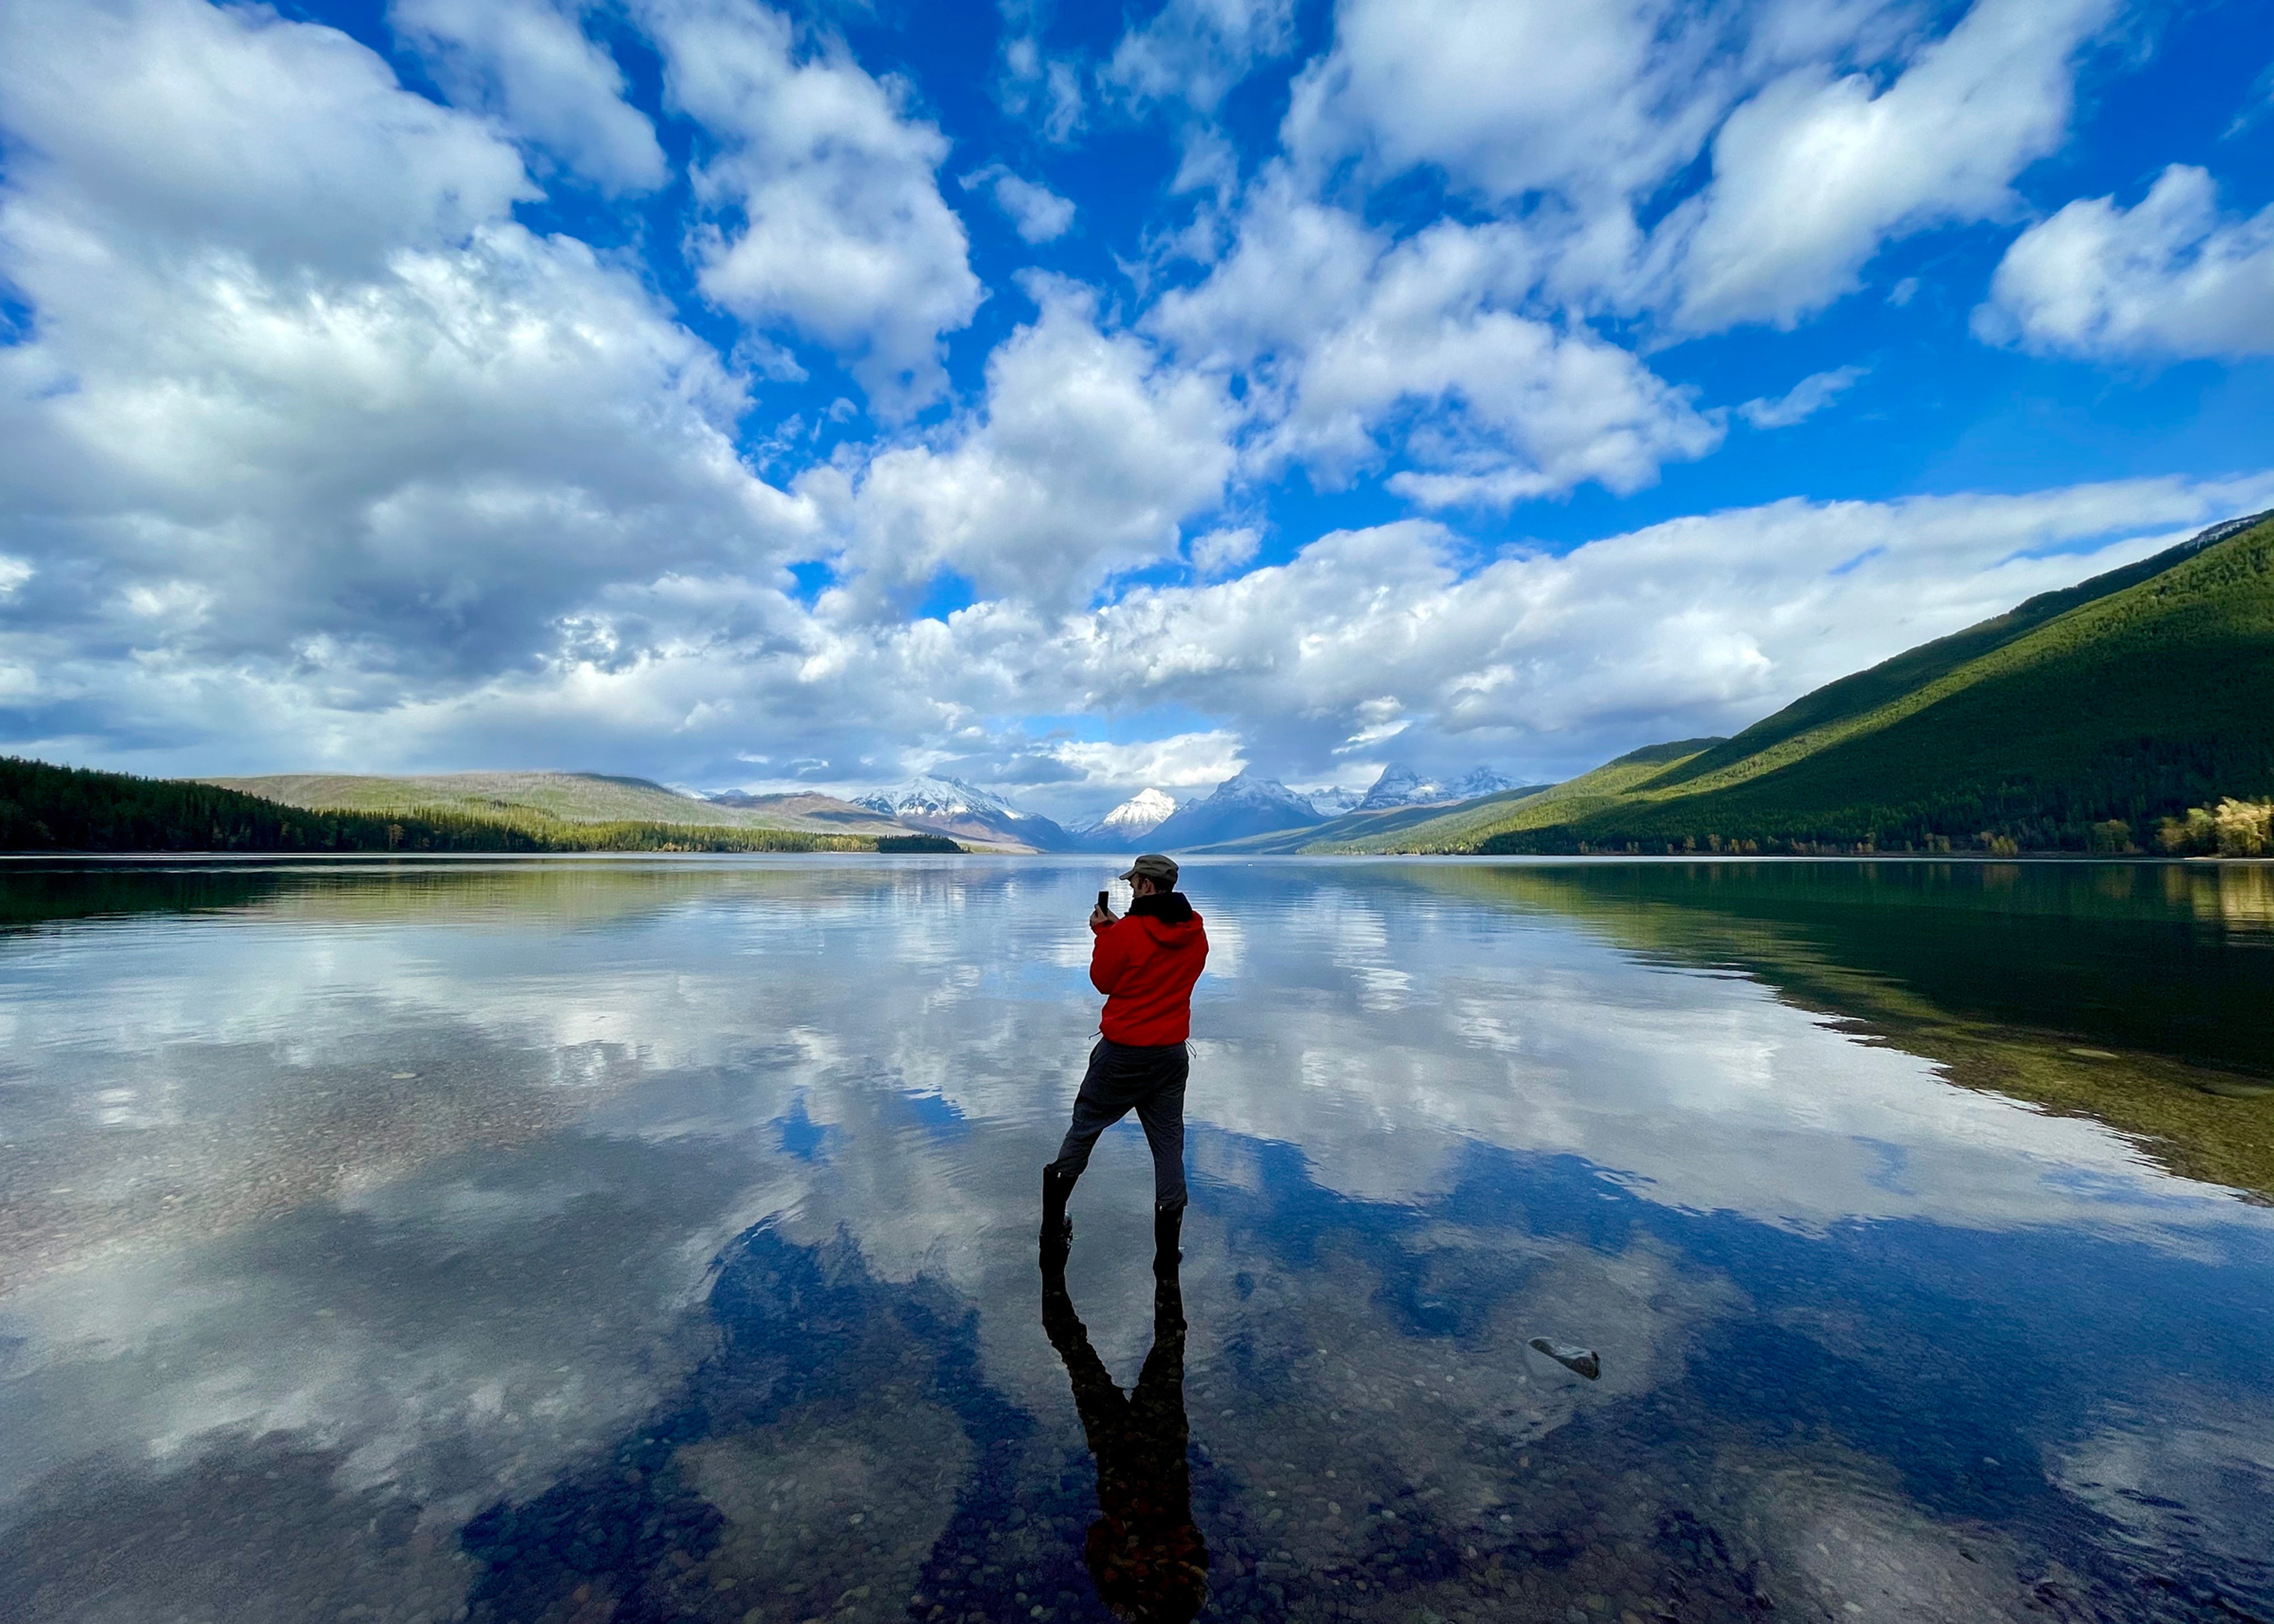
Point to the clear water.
(655, 1240)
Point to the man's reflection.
(1144, 1552)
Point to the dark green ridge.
(935, 844)
(1853, 696)
(2129, 704)
(1673, 750)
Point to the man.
(1145, 963)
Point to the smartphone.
(1101, 902)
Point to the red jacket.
(1145, 967)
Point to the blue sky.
(1073, 399)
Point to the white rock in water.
(1581, 1361)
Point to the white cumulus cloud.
(1193, 52)
(531, 63)
(1221, 552)
(1510, 96)
(1036, 212)
(334, 438)
(1833, 129)
(2169, 276)
(1811, 175)
(319, 457)
(1185, 762)
(1086, 458)
(1433, 349)
(146, 126)
(828, 217)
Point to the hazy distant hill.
(2122, 701)
(822, 811)
(570, 797)
(1241, 806)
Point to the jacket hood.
(1168, 917)
(1169, 906)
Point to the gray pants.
(1150, 1081)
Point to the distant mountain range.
(1399, 786)
(1352, 830)
(951, 806)
(566, 797)
(1245, 805)
(939, 805)
(1251, 806)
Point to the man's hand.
(1099, 919)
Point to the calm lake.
(655, 1239)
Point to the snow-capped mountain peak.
(1141, 814)
(951, 806)
(1399, 786)
(1249, 790)
(928, 796)
(1481, 782)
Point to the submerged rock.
(1582, 1361)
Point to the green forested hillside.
(50, 809)
(2076, 721)
(1814, 718)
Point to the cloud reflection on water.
(233, 1229)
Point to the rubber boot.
(1057, 1229)
(1168, 1231)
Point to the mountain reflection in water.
(570, 1242)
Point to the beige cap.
(1153, 866)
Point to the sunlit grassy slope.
(50, 809)
(568, 797)
(2129, 697)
